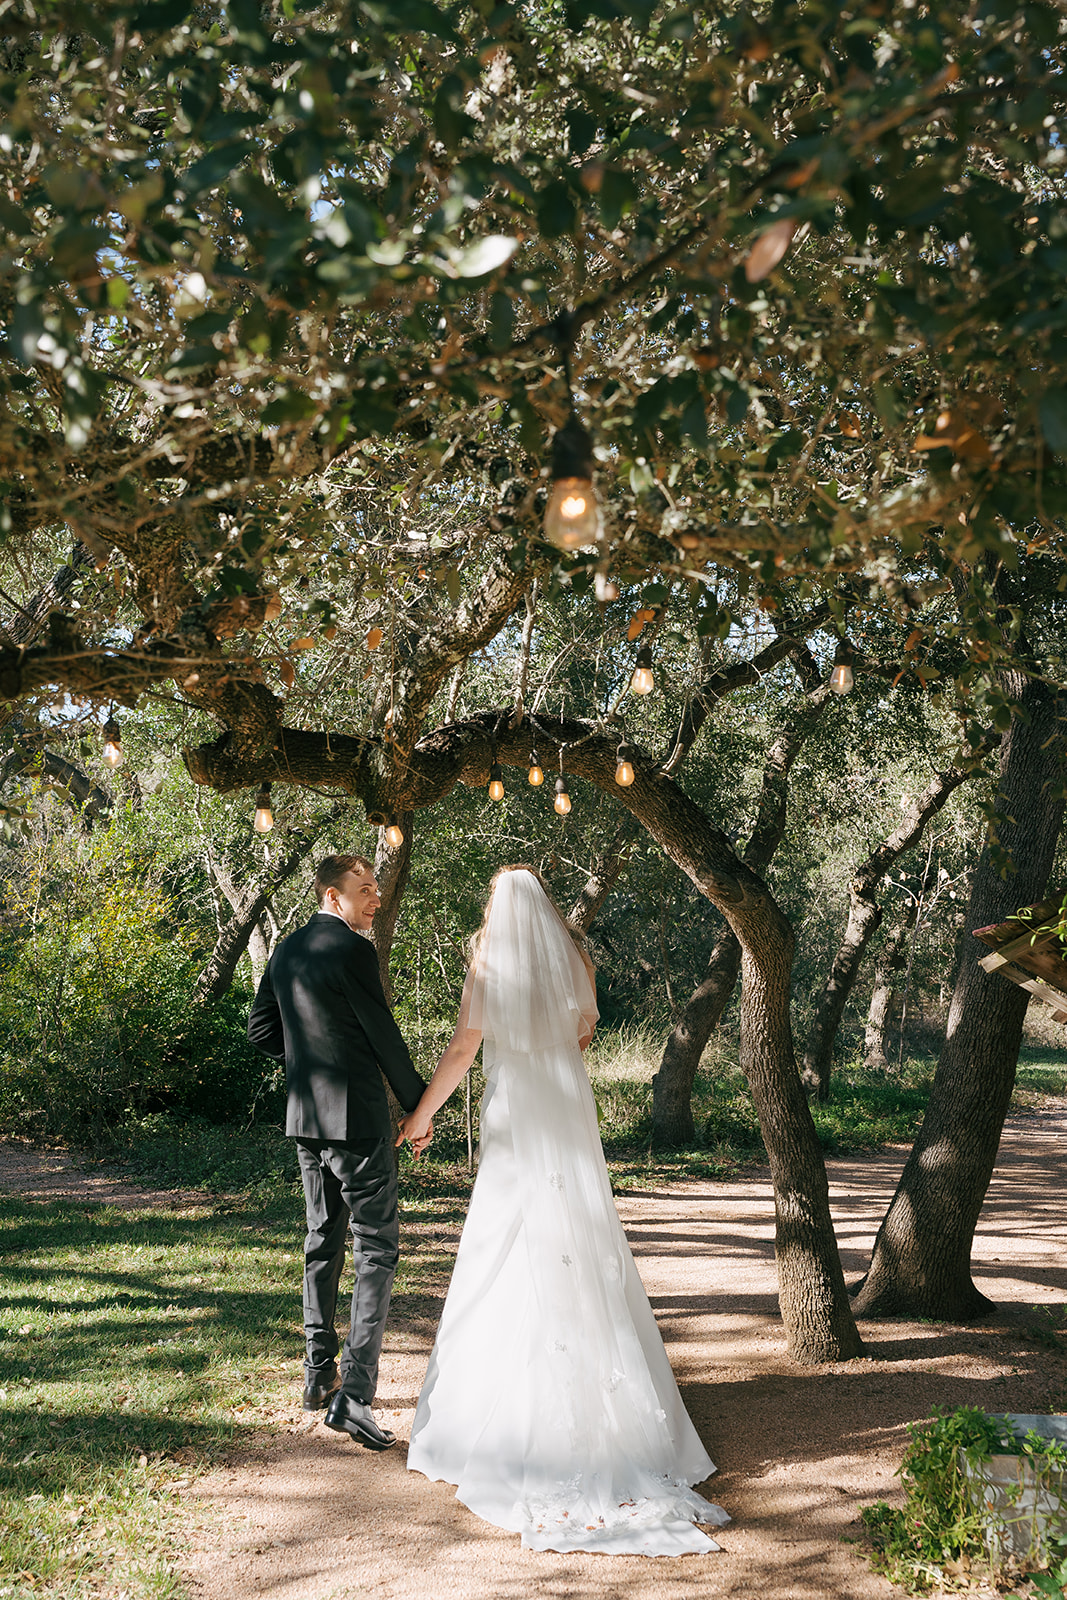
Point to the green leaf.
(13, 220)
(556, 211)
(215, 167)
(582, 129)
(1052, 410)
(618, 191)
(485, 255)
(289, 405)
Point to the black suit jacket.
(321, 1009)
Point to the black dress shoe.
(353, 1417)
(317, 1395)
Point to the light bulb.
(562, 802)
(394, 835)
(643, 680)
(496, 782)
(112, 752)
(535, 776)
(841, 679)
(624, 767)
(263, 821)
(572, 516)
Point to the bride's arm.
(450, 1071)
(456, 1061)
(588, 1020)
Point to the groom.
(321, 1008)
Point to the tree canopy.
(296, 298)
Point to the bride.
(549, 1400)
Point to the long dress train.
(549, 1400)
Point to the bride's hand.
(418, 1130)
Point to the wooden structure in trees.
(1029, 949)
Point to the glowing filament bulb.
(643, 680)
(496, 782)
(562, 802)
(263, 821)
(535, 777)
(624, 766)
(841, 679)
(112, 752)
(394, 835)
(572, 516)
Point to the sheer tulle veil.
(529, 987)
(549, 1400)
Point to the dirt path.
(800, 1451)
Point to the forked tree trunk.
(921, 1261)
(864, 917)
(672, 1087)
(217, 974)
(891, 964)
(604, 874)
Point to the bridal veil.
(549, 1400)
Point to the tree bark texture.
(249, 904)
(604, 874)
(811, 1285)
(818, 1320)
(392, 868)
(921, 1261)
(891, 964)
(864, 917)
(672, 1087)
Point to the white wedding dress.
(549, 1400)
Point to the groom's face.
(356, 900)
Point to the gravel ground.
(309, 1516)
(799, 1450)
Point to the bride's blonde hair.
(521, 866)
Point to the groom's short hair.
(332, 870)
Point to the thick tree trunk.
(921, 1261)
(672, 1087)
(392, 868)
(811, 1284)
(864, 917)
(259, 949)
(891, 964)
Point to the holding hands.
(416, 1127)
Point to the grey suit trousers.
(348, 1186)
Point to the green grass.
(133, 1346)
(866, 1110)
(136, 1348)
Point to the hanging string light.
(624, 765)
(113, 752)
(496, 782)
(394, 834)
(263, 821)
(842, 678)
(562, 802)
(535, 777)
(572, 516)
(644, 679)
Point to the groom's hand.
(419, 1135)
